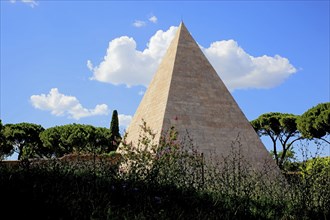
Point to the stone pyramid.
(187, 93)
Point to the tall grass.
(169, 180)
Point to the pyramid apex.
(183, 37)
(186, 92)
(182, 26)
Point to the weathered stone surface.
(187, 93)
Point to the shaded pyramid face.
(187, 93)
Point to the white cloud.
(90, 65)
(239, 69)
(153, 19)
(124, 64)
(59, 104)
(138, 23)
(124, 120)
(32, 3)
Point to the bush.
(169, 180)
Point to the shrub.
(166, 180)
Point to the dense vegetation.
(170, 183)
(30, 140)
(166, 180)
(285, 129)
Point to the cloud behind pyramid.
(187, 95)
(124, 64)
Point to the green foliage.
(23, 138)
(172, 161)
(289, 159)
(231, 183)
(114, 130)
(280, 128)
(102, 142)
(2, 137)
(65, 139)
(6, 149)
(170, 180)
(320, 165)
(33, 141)
(51, 139)
(311, 189)
(275, 124)
(315, 122)
(114, 125)
(177, 162)
(137, 160)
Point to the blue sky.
(76, 61)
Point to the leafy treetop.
(280, 127)
(315, 122)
